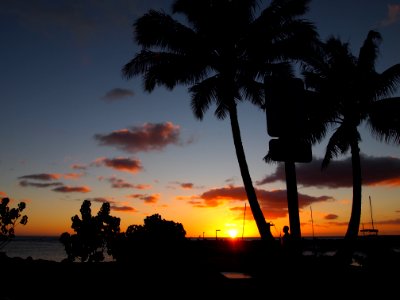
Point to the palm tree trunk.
(354, 223)
(292, 199)
(263, 227)
(348, 247)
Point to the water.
(37, 247)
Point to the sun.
(233, 233)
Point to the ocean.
(50, 248)
(37, 247)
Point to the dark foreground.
(197, 273)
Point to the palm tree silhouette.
(355, 93)
(221, 52)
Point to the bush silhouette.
(94, 234)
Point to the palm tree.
(221, 52)
(355, 93)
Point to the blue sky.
(66, 112)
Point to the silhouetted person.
(286, 240)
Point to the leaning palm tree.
(356, 94)
(220, 52)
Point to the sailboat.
(369, 231)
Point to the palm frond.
(388, 81)
(157, 29)
(202, 95)
(163, 68)
(384, 120)
(369, 51)
(339, 143)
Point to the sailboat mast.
(370, 209)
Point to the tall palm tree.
(355, 93)
(221, 52)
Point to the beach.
(209, 270)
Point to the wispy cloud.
(393, 15)
(119, 183)
(146, 198)
(376, 171)
(113, 204)
(41, 176)
(117, 94)
(78, 167)
(123, 208)
(26, 183)
(72, 189)
(331, 217)
(184, 185)
(148, 137)
(124, 164)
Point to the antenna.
(244, 217)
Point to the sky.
(73, 128)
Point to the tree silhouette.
(156, 238)
(156, 228)
(355, 93)
(94, 234)
(222, 56)
(9, 219)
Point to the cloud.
(148, 137)
(26, 183)
(79, 167)
(123, 208)
(101, 200)
(146, 198)
(3, 194)
(393, 15)
(142, 186)
(376, 171)
(183, 185)
(273, 203)
(72, 189)
(113, 205)
(41, 176)
(72, 175)
(119, 183)
(51, 176)
(120, 163)
(117, 94)
(331, 217)
(388, 222)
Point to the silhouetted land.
(193, 270)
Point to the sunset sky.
(72, 128)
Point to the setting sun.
(232, 233)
